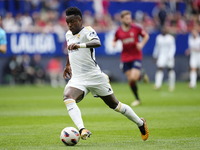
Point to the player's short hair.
(125, 12)
(73, 11)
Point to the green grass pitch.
(32, 117)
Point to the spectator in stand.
(14, 71)
(55, 71)
(62, 19)
(160, 14)
(9, 23)
(88, 19)
(52, 4)
(26, 23)
(116, 19)
(46, 11)
(139, 18)
(98, 8)
(181, 23)
(28, 73)
(195, 9)
(11, 70)
(38, 23)
(39, 72)
(148, 24)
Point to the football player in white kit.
(194, 50)
(86, 76)
(163, 53)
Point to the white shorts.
(163, 62)
(98, 85)
(195, 61)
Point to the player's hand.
(139, 46)
(114, 43)
(67, 72)
(73, 46)
(187, 52)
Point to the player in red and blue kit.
(131, 55)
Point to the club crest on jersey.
(78, 36)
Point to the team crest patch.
(78, 36)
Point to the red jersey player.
(131, 55)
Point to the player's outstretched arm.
(93, 43)
(90, 44)
(143, 42)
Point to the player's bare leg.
(126, 110)
(71, 95)
(133, 76)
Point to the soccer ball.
(70, 136)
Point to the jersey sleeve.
(172, 47)
(116, 35)
(156, 48)
(190, 41)
(3, 40)
(67, 35)
(142, 32)
(91, 34)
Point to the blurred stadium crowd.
(48, 16)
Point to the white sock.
(159, 78)
(74, 112)
(172, 78)
(193, 78)
(129, 113)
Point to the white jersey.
(86, 74)
(194, 46)
(82, 60)
(164, 46)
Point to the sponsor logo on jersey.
(128, 40)
(131, 34)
